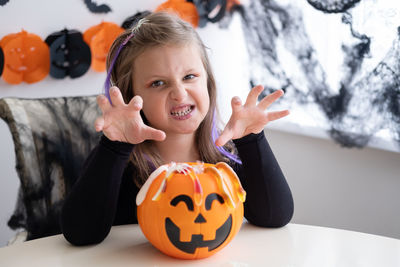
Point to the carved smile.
(173, 233)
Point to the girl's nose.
(178, 92)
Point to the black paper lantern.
(209, 10)
(132, 20)
(69, 54)
(1, 61)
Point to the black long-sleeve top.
(105, 193)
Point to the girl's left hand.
(250, 117)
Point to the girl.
(162, 109)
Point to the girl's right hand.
(122, 122)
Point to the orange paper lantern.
(26, 58)
(100, 38)
(191, 210)
(185, 10)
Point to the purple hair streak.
(107, 83)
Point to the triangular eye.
(211, 197)
(184, 198)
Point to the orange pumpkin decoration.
(100, 38)
(26, 58)
(231, 3)
(185, 10)
(191, 210)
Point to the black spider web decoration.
(333, 6)
(364, 103)
(3, 2)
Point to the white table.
(292, 245)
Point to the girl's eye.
(189, 77)
(157, 83)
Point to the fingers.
(236, 104)
(99, 123)
(253, 95)
(225, 136)
(136, 103)
(154, 134)
(277, 114)
(103, 103)
(116, 97)
(269, 99)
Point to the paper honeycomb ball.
(26, 58)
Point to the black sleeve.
(269, 201)
(90, 208)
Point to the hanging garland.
(95, 8)
(25, 57)
(70, 55)
(186, 10)
(1, 61)
(92, 6)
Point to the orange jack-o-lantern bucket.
(191, 210)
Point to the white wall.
(337, 187)
(350, 189)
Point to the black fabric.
(269, 201)
(52, 137)
(105, 193)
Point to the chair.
(52, 137)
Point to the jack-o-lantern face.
(26, 58)
(191, 210)
(69, 54)
(100, 38)
(219, 228)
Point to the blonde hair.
(158, 29)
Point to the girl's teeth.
(182, 113)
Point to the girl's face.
(172, 81)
